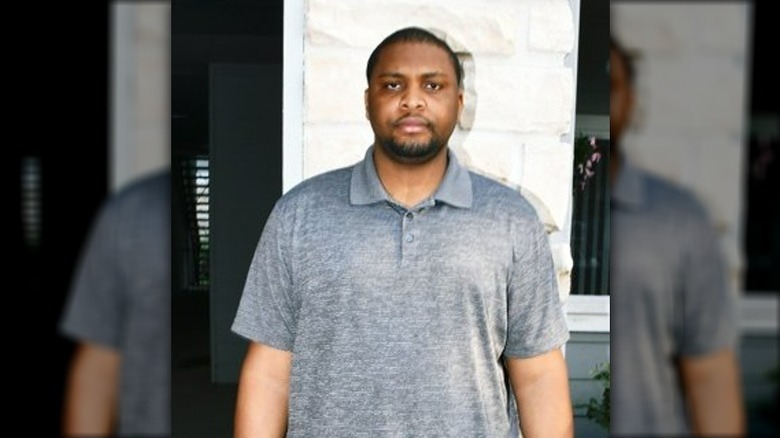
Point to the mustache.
(415, 119)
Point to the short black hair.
(625, 58)
(414, 35)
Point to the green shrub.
(597, 409)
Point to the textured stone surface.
(551, 26)
(547, 171)
(680, 27)
(355, 23)
(331, 146)
(522, 99)
(494, 154)
(334, 84)
(691, 92)
(563, 264)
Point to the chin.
(411, 152)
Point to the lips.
(412, 125)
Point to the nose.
(413, 98)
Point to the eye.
(434, 86)
(392, 86)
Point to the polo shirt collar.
(366, 188)
(629, 188)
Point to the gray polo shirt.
(120, 298)
(399, 319)
(669, 298)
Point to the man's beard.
(411, 152)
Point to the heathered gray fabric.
(668, 299)
(120, 298)
(398, 320)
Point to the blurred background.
(90, 102)
(92, 107)
(706, 118)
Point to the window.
(590, 217)
(195, 182)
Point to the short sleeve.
(94, 307)
(267, 311)
(707, 321)
(535, 320)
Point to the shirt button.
(409, 215)
(409, 238)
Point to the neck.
(410, 183)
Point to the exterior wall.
(140, 91)
(520, 91)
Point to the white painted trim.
(571, 61)
(292, 95)
(121, 97)
(758, 314)
(587, 313)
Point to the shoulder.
(323, 189)
(140, 208)
(667, 197)
(140, 194)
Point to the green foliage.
(597, 409)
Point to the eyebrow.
(393, 74)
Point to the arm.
(711, 384)
(91, 395)
(541, 388)
(263, 391)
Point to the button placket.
(407, 232)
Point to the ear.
(365, 101)
(460, 102)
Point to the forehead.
(419, 57)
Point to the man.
(399, 297)
(118, 312)
(673, 337)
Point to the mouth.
(412, 125)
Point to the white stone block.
(332, 146)
(547, 173)
(498, 155)
(355, 23)
(522, 99)
(693, 93)
(659, 27)
(551, 26)
(334, 84)
(563, 263)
